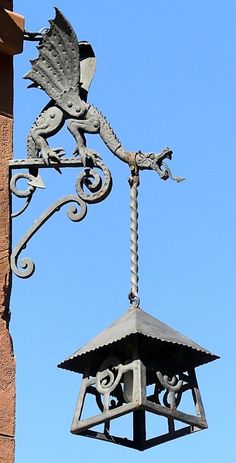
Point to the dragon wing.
(87, 67)
(57, 68)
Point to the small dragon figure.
(64, 69)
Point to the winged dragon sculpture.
(64, 69)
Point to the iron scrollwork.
(108, 385)
(173, 390)
(27, 194)
(91, 187)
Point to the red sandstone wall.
(7, 361)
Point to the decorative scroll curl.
(98, 188)
(26, 264)
(173, 386)
(21, 193)
(108, 376)
(33, 183)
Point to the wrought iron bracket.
(92, 185)
(64, 69)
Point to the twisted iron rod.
(134, 291)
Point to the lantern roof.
(154, 333)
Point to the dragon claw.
(86, 154)
(52, 154)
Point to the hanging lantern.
(139, 366)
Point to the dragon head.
(155, 161)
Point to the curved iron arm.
(26, 263)
(90, 187)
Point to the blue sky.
(166, 76)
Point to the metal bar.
(175, 414)
(139, 429)
(87, 423)
(108, 438)
(171, 425)
(168, 437)
(134, 290)
(197, 397)
(39, 163)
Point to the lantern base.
(143, 444)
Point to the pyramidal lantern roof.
(154, 338)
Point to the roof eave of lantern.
(136, 321)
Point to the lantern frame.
(138, 366)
